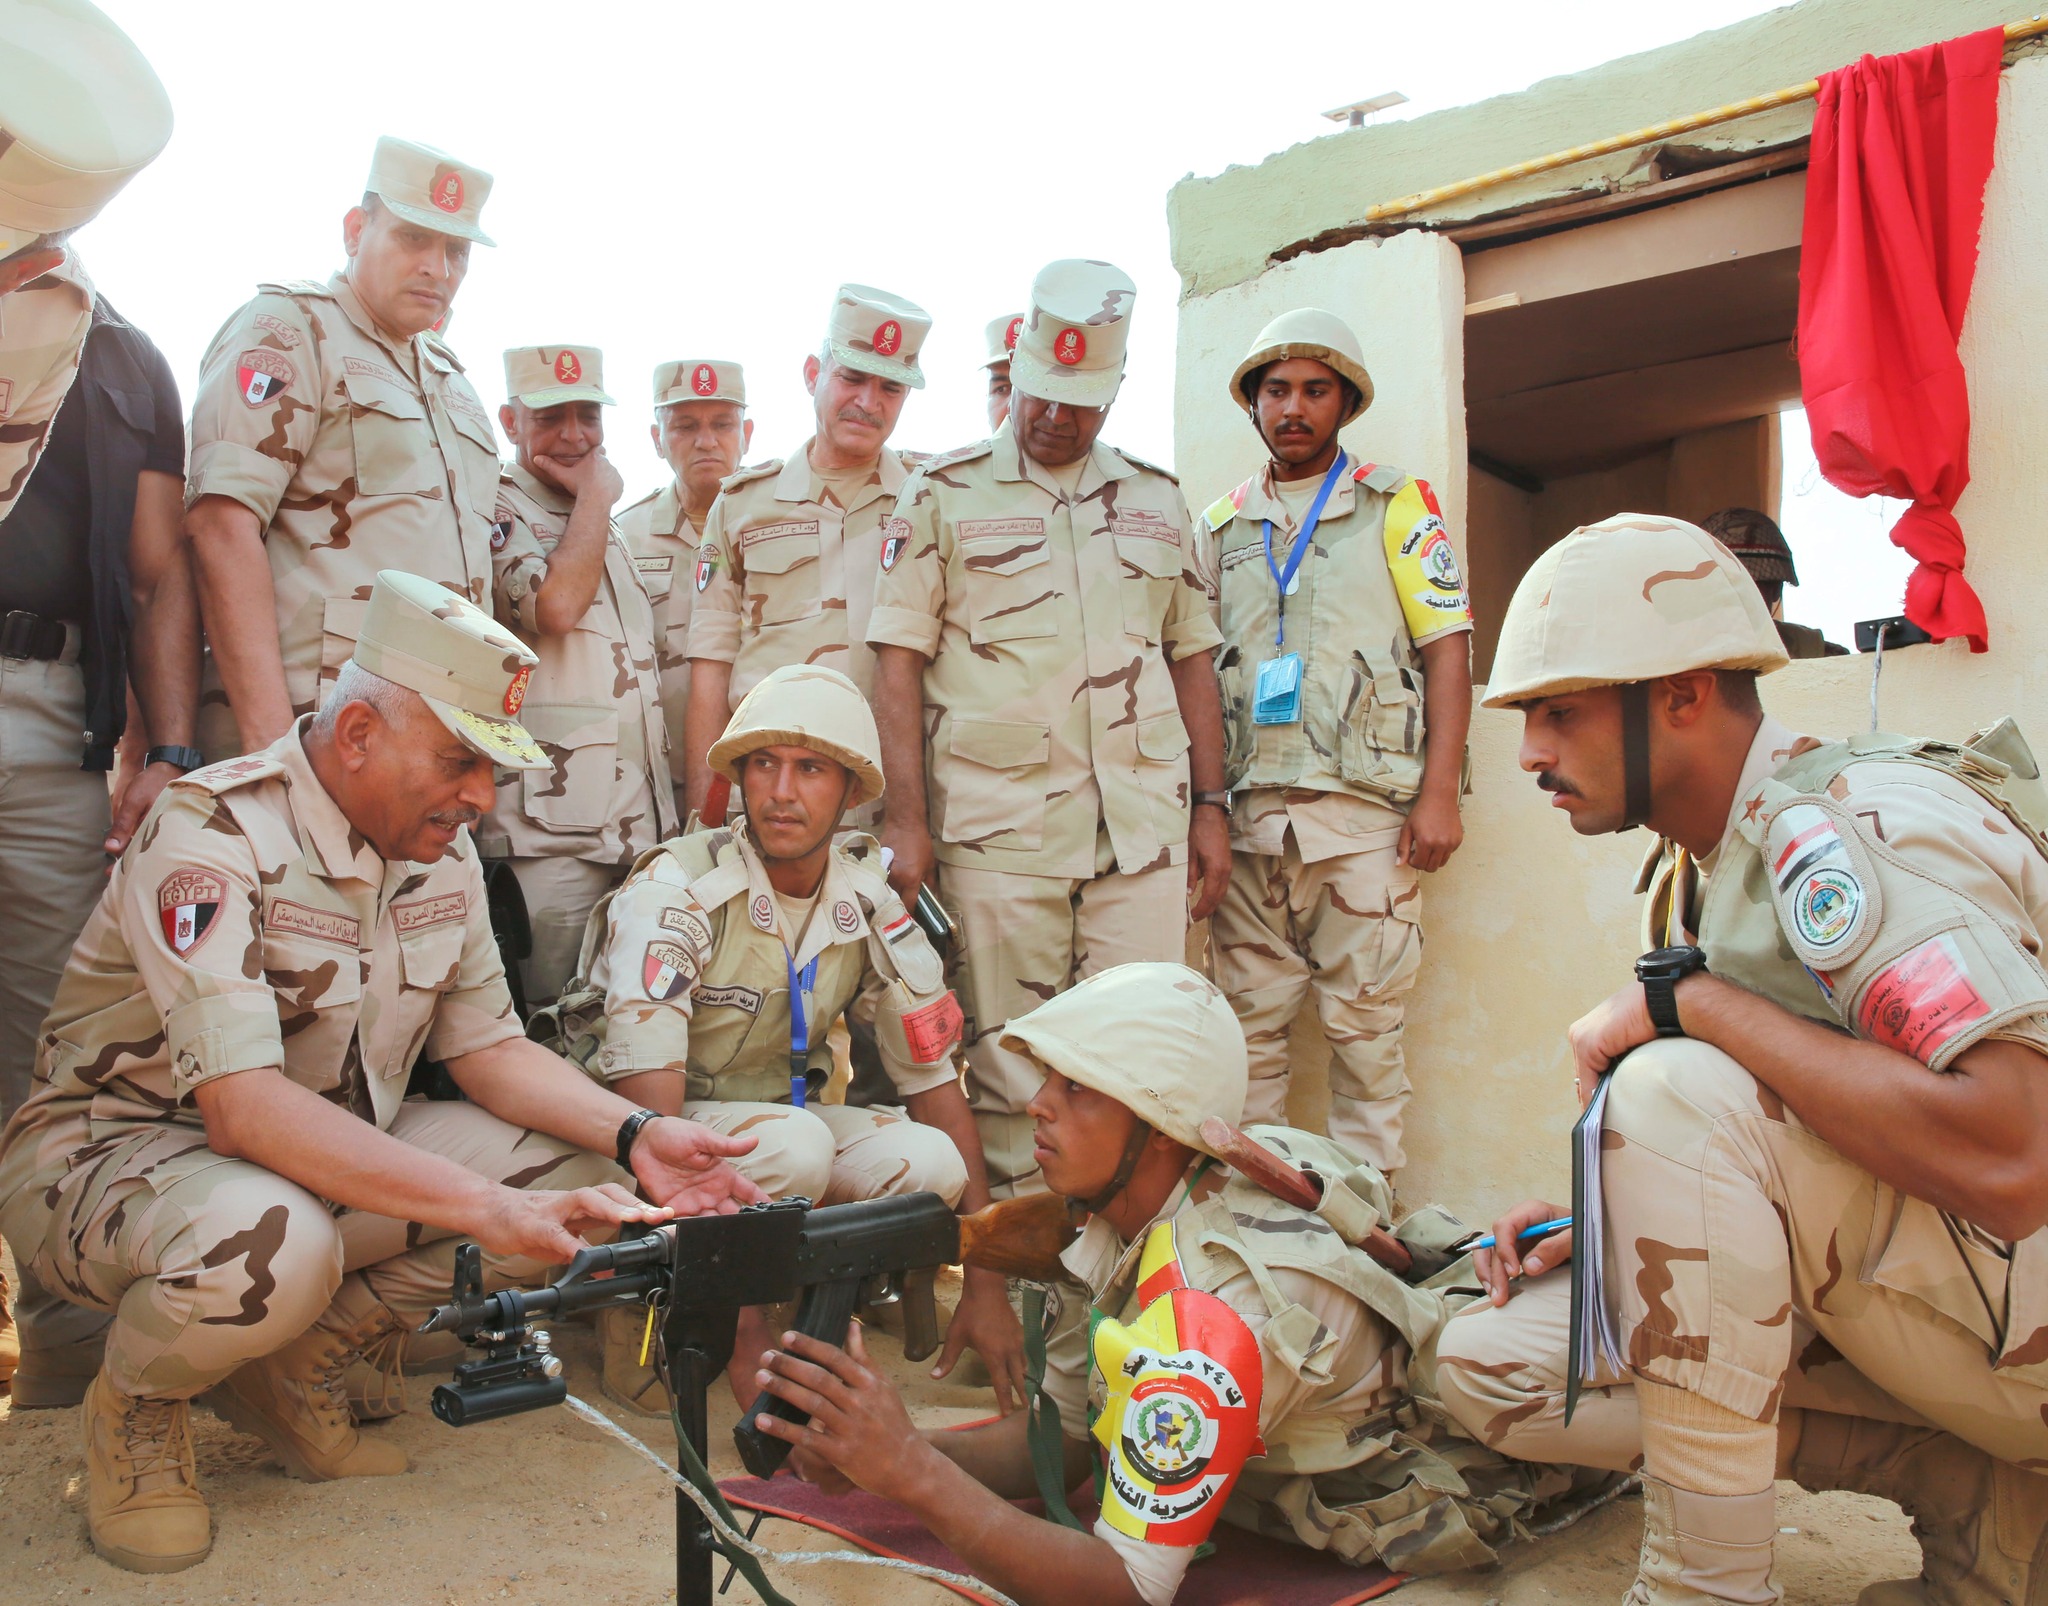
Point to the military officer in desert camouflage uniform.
(334, 434)
(218, 1151)
(1001, 335)
(1044, 638)
(716, 968)
(701, 430)
(1347, 686)
(565, 583)
(1825, 1155)
(786, 572)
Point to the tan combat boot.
(1982, 1524)
(142, 1499)
(375, 1384)
(10, 1340)
(626, 1381)
(294, 1401)
(1701, 1548)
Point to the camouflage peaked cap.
(1756, 539)
(469, 669)
(81, 113)
(430, 188)
(547, 376)
(1634, 597)
(1071, 347)
(1306, 332)
(1001, 335)
(805, 705)
(877, 333)
(1159, 1038)
(699, 379)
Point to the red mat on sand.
(1246, 1570)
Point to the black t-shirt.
(44, 565)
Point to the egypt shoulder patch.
(187, 903)
(707, 564)
(895, 537)
(1181, 1418)
(666, 970)
(260, 374)
(1829, 903)
(1423, 562)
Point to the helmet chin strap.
(1134, 1148)
(1635, 754)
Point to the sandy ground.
(545, 1508)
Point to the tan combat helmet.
(1755, 539)
(430, 188)
(469, 669)
(689, 379)
(1001, 336)
(548, 376)
(1157, 1037)
(1071, 347)
(805, 705)
(873, 332)
(1306, 332)
(81, 113)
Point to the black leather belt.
(30, 635)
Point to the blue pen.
(1542, 1229)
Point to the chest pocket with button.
(1148, 567)
(782, 570)
(319, 989)
(479, 451)
(396, 454)
(657, 576)
(574, 794)
(1008, 581)
(430, 959)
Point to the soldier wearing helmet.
(1211, 1344)
(713, 973)
(1825, 1157)
(1761, 546)
(1347, 687)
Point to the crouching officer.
(715, 970)
(217, 1151)
(1218, 1347)
(1825, 1157)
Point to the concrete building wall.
(1531, 925)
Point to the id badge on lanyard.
(1276, 683)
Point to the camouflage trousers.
(834, 1153)
(1349, 929)
(559, 894)
(207, 1262)
(1025, 938)
(1755, 1266)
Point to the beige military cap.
(1307, 332)
(699, 379)
(1001, 335)
(1635, 597)
(469, 669)
(1071, 347)
(547, 376)
(430, 188)
(877, 333)
(81, 113)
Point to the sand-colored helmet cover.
(805, 705)
(1634, 597)
(1159, 1038)
(1307, 332)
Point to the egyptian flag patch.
(261, 374)
(666, 971)
(706, 562)
(186, 904)
(895, 537)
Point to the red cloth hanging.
(1894, 200)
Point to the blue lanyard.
(800, 985)
(1285, 577)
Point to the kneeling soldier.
(1217, 1347)
(714, 972)
(218, 1149)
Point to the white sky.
(694, 180)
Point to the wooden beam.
(1565, 213)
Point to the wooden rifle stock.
(1020, 1237)
(1280, 1177)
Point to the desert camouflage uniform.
(1357, 1457)
(664, 544)
(1316, 898)
(1056, 757)
(250, 926)
(688, 970)
(1870, 886)
(42, 331)
(572, 832)
(356, 454)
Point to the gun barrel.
(637, 1264)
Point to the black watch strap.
(629, 1129)
(1660, 971)
(1660, 993)
(186, 758)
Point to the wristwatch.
(629, 1129)
(1660, 971)
(186, 758)
(1215, 800)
